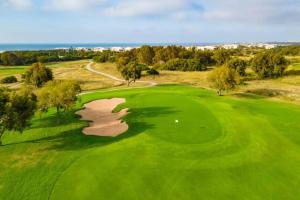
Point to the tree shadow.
(75, 140)
(55, 120)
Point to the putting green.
(182, 143)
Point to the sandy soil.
(102, 121)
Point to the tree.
(58, 94)
(223, 79)
(9, 79)
(152, 71)
(16, 110)
(4, 99)
(145, 55)
(221, 56)
(131, 72)
(238, 65)
(38, 75)
(8, 58)
(122, 61)
(178, 64)
(269, 65)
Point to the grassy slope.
(222, 148)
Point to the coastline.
(124, 46)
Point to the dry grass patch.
(76, 71)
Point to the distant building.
(117, 49)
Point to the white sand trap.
(103, 122)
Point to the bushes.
(38, 74)
(9, 79)
(238, 65)
(105, 56)
(269, 65)
(152, 71)
(183, 65)
(10, 59)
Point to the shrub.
(269, 65)
(238, 65)
(183, 65)
(9, 79)
(152, 71)
(38, 74)
(224, 79)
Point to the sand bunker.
(103, 121)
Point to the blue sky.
(82, 21)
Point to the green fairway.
(5, 70)
(182, 143)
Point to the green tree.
(4, 99)
(145, 55)
(59, 94)
(221, 56)
(238, 65)
(38, 74)
(122, 61)
(269, 65)
(224, 79)
(16, 110)
(10, 59)
(131, 72)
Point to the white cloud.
(258, 11)
(132, 8)
(19, 4)
(72, 5)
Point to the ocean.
(50, 46)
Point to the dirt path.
(91, 69)
(103, 122)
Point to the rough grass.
(286, 88)
(222, 148)
(76, 71)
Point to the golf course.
(182, 143)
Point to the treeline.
(169, 58)
(293, 50)
(14, 58)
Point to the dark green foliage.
(293, 50)
(205, 57)
(183, 65)
(143, 67)
(16, 110)
(4, 99)
(221, 56)
(58, 94)
(131, 72)
(30, 57)
(238, 65)
(145, 55)
(9, 79)
(105, 56)
(38, 74)
(152, 71)
(269, 65)
(10, 59)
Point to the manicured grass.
(245, 147)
